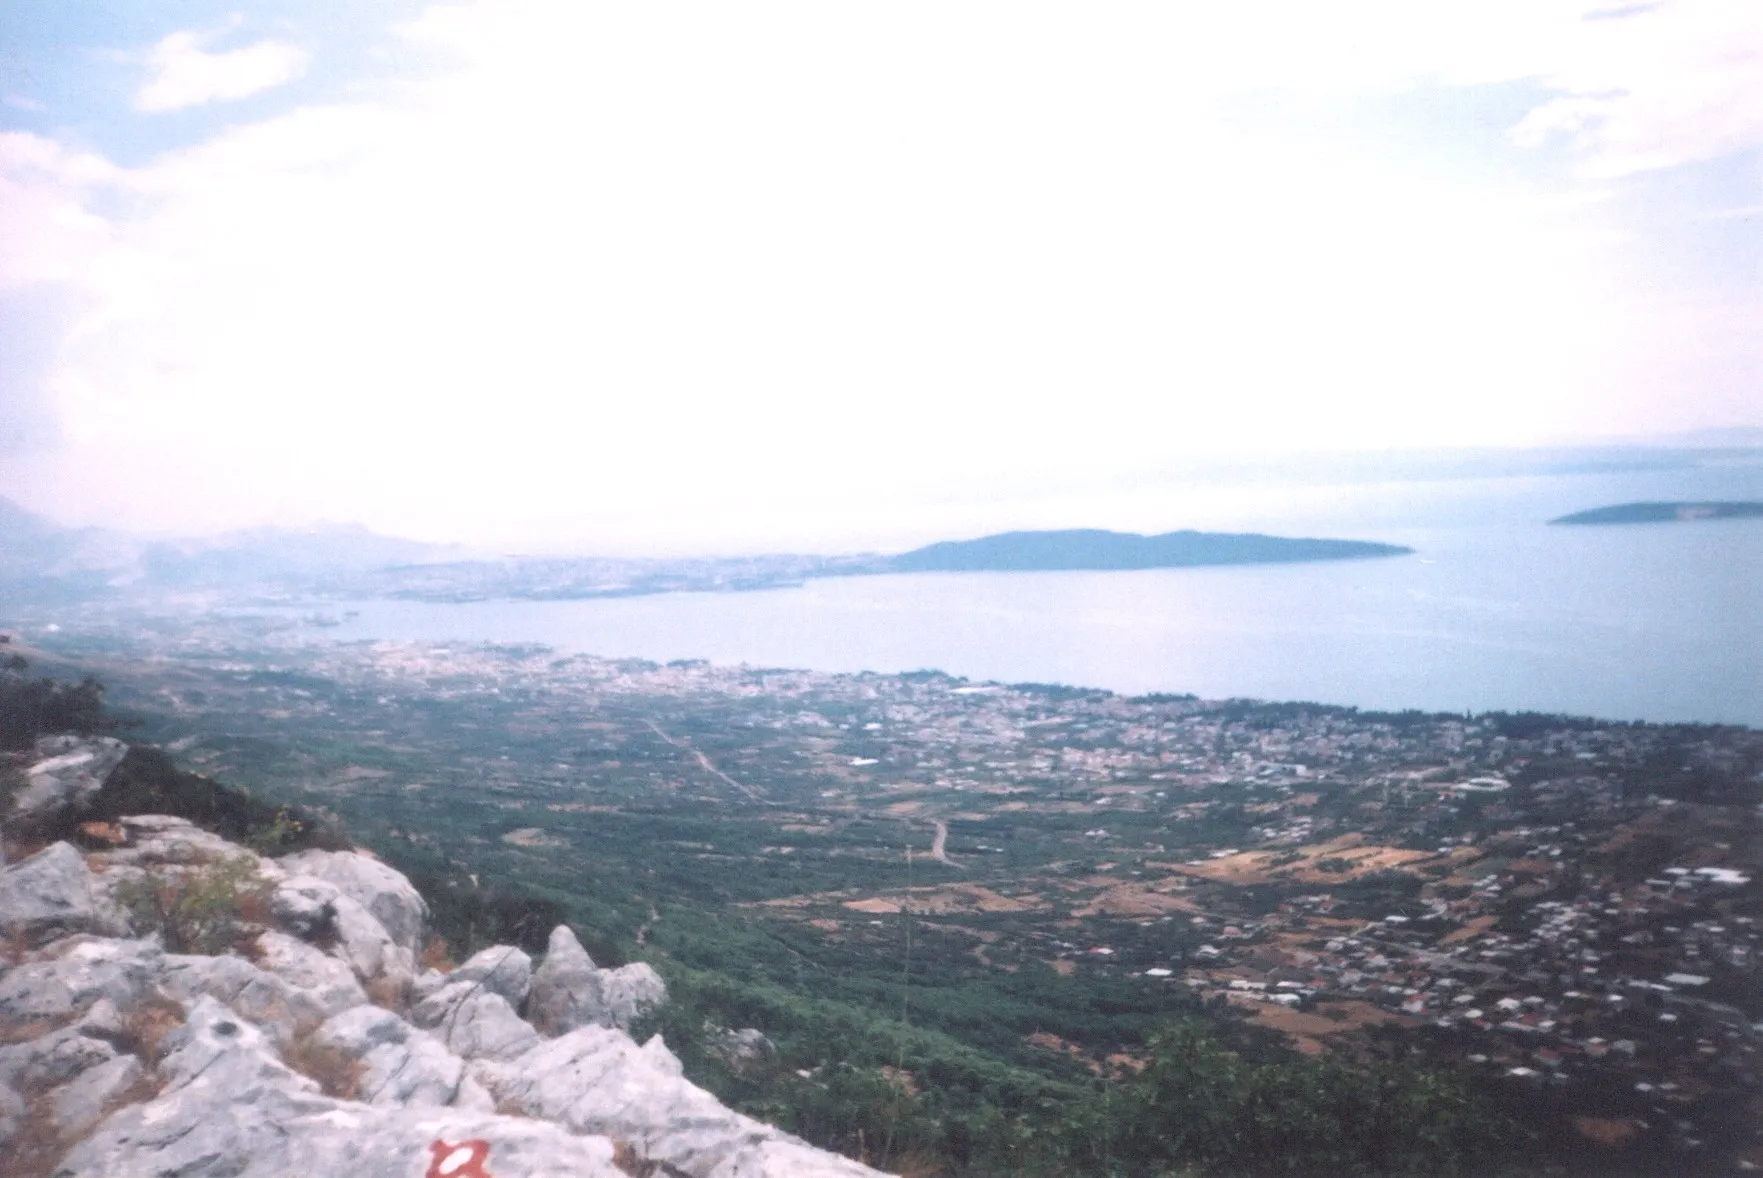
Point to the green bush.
(207, 909)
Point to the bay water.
(1495, 610)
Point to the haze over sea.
(1495, 611)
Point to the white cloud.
(182, 73)
(636, 275)
(1662, 85)
(47, 234)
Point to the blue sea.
(1496, 610)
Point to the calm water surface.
(1495, 611)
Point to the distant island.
(1663, 513)
(1098, 550)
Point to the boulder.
(402, 1065)
(69, 772)
(52, 1059)
(331, 983)
(305, 906)
(595, 1080)
(378, 888)
(428, 982)
(160, 840)
(569, 991)
(231, 1107)
(365, 946)
(500, 969)
(474, 1022)
(743, 1050)
(52, 894)
(71, 974)
(283, 1011)
(82, 1102)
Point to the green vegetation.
(33, 707)
(746, 833)
(203, 910)
(149, 782)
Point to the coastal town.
(1568, 907)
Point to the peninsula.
(1664, 513)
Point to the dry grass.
(389, 993)
(436, 956)
(24, 1032)
(147, 1024)
(632, 1161)
(14, 946)
(337, 1074)
(36, 1148)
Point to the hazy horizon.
(1312, 493)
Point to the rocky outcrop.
(269, 1058)
(53, 894)
(68, 773)
(400, 1064)
(596, 1080)
(500, 969)
(330, 983)
(231, 1106)
(76, 973)
(570, 991)
(386, 894)
(474, 1022)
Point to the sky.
(676, 276)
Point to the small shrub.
(204, 910)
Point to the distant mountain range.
(40, 559)
(1095, 549)
(1663, 513)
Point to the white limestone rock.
(331, 983)
(500, 969)
(230, 1107)
(382, 891)
(52, 894)
(474, 1022)
(69, 772)
(157, 841)
(282, 1010)
(595, 1080)
(52, 1059)
(569, 991)
(82, 1102)
(403, 1066)
(71, 974)
(365, 946)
